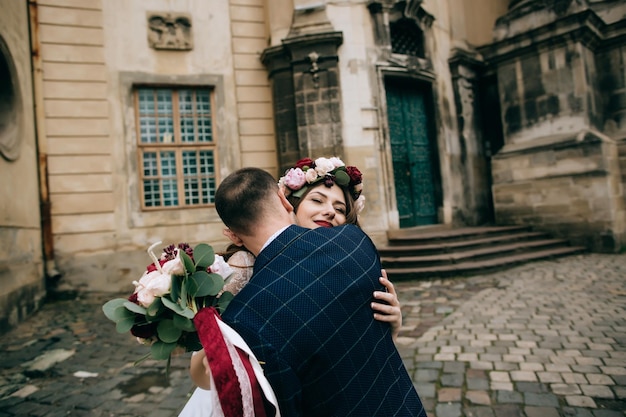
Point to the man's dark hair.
(242, 198)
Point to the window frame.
(177, 146)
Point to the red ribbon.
(222, 370)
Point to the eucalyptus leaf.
(224, 300)
(202, 284)
(187, 312)
(176, 308)
(155, 309)
(177, 282)
(189, 265)
(184, 323)
(204, 255)
(124, 325)
(110, 308)
(135, 308)
(161, 350)
(168, 332)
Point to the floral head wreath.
(331, 171)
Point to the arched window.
(10, 142)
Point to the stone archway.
(10, 105)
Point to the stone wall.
(568, 185)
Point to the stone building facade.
(131, 112)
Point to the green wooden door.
(411, 151)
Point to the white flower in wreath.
(323, 166)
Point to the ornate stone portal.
(169, 31)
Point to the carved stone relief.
(170, 31)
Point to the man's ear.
(286, 204)
(233, 237)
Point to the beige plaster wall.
(21, 273)
(475, 20)
(94, 51)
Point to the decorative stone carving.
(170, 31)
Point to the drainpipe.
(50, 270)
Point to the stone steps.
(439, 251)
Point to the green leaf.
(168, 332)
(116, 311)
(161, 350)
(184, 323)
(183, 310)
(189, 266)
(110, 309)
(202, 284)
(155, 309)
(177, 282)
(342, 178)
(187, 312)
(224, 300)
(204, 255)
(124, 325)
(176, 308)
(135, 308)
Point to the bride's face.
(322, 207)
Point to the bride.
(327, 200)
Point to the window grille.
(176, 147)
(406, 38)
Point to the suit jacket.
(306, 313)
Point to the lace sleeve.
(242, 263)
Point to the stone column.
(304, 74)
(465, 69)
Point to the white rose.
(220, 267)
(337, 162)
(151, 285)
(174, 266)
(311, 175)
(323, 166)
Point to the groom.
(306, 311)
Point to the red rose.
(144, 330)
(355, 175)
(308, 162)
(152, 268)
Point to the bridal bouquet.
(168, 296)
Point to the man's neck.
(262, 235)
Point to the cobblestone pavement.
(545, 339)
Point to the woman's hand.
(389, 309)
(199, 370)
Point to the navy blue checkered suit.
(306, 313)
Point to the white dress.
(202, 402)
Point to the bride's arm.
(389, 309)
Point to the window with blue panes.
(176, 147)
